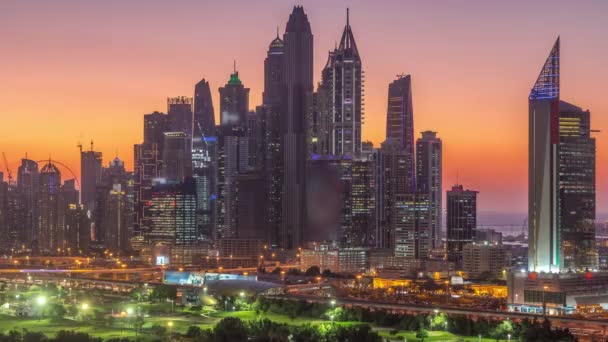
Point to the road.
(579, 326)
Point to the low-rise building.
(480, 258)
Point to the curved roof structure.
(233, 287)
(50, 168)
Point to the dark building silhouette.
(115, 203)
(400, 122)
(90, 175)
(77, 229)
(271, 118)
(461, 221)
(27, 187)
(428, 178)
(298, 72)
(147, 165)
(251, 208)
(234, 102)
(177, 156)
(179, 111)
(51, 212)
(204, 117)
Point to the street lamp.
(170, 325)
(242, 294)
(332, 318)
(544, 301)
(41, 300)
(509, 337)
(129, 311)
(333, 302)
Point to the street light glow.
(85, 306)
(41, 300)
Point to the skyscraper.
(50, 210)
(204, 117)
(274, 72)
(393, 176)
(271, 120)
(204, 172)
(428, 178)
(576, 189)
(177, 154)
(77, 229)
(411, 225)
(179, 111)
(461, 220)
(298, 72)
(28, 186)
(543, 103)
(400, 122)
(234, 102)
(342, 77)
(561, 184)
(90, 175)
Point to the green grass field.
(180, 321)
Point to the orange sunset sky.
(74, 71)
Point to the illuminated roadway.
(584, 326)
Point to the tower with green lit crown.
(234, 102)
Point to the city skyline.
(112, 98)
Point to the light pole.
(544, 301)
(170, 324)
(41, 300)
(509, 337)
(479, 337)
(84, 307)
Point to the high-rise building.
(90, 175)
(461, 222)
(273, 72)
(411, 225)
(77, 229)
(232, 159)
(543, 181)
(271, 119)
(484, 258)
(428, 178)
(298, 72)
(155, 125)
(147, 166)
(115, 203)
(576, 189)
(204, 172)
(400, 122)
(393, 175)
(234, 102)
(50, 234)
(177, 154)
(117, 221)
(204, 117)
(28, 186)
(561, 184)
(172, 212)
(11, 214)
(342, 77)
(179, 113)
(251, 208)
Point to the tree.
(164, 291)
(138, 323)
(502, 330)
(313, 271)
(193, 331)
(422, 334)
(439, 321)
(230, 329)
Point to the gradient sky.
(76, 70)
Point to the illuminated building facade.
(51, 214)
(561, 181)
(411, 225)
(428, 178)
(179, 114)
(461, 221)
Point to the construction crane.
(8, 170)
